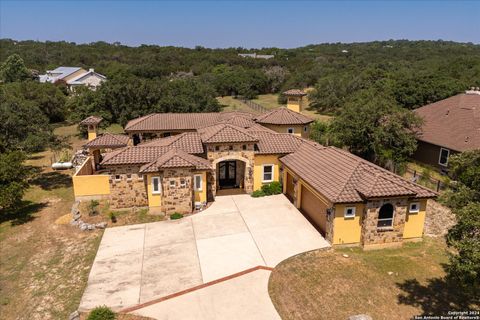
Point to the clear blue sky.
(248, 24)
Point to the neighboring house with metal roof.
(191, 158)
(450, 126)
(74, 77)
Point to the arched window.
(385, 216)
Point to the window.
(244, 147)
(118, 177)
(443, 159)
(305, 129)
(129, 177)
(172, 183)
(197, 182)
(230, 148)
(385, 216)
(156, 186)
(267, 173)
(290, 130)
(183, 183)
(140, 177)
(414, 207)
(349, 212)
(217, 148)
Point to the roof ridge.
(347, 181)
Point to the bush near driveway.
(268, 190)
(101, 313)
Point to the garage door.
(290, 187)
(314, 209)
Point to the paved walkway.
(139, 263)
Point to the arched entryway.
(232, 173)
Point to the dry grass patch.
(44, 265)
(232, 104)
(326, 285)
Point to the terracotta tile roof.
(190, 142)
(225, 133)
(283, 116)
(133, 155)
(294, 92)
(181, 121)
(176, 158)
(345, 178)
(91, 120)
(276, 143)
(453, 123)
(108, 140)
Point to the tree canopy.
(13, 69)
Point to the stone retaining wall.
(438, 219)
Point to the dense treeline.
(415, 72)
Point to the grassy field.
(44, 261)
(232, 104)
(386, 284)
(44, 266)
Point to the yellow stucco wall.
(295, 104)
(347, 230)
(92, 133)
(90, 185)
(298, 129)
(415, 221)
(154, 199)
(260, 160)
(201, 195)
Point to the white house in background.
(74, 77)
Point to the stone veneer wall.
(232, 152)
(371, 235)
(179, 196)
(130, 190)
(330, 225)
(438, 219)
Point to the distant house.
(74, 77)
(450, 126)
(256, 56)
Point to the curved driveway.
(140, 263)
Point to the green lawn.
(386, 284)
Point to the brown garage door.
(314, 209)
(290, 186)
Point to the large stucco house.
(178, 162)
(74, 77)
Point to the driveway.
(140, 263)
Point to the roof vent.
(473, 90)
(447, 112)
(91, 70)
(467, 138)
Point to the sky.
(249, 24)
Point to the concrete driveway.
(140, 263)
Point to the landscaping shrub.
(258, 194)
(112, 216)
(101, 313)
(176, 216)
(92, 208)
(272, 188)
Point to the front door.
(227, 174)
